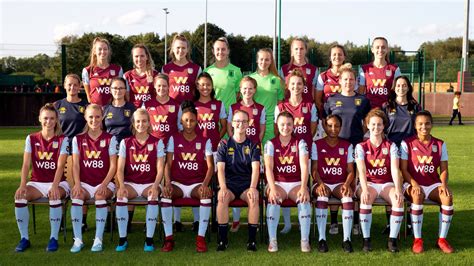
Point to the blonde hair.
(298, 39)
(163, 77)
(140, 111)
(94, 107)
(150, 64)
(180, 37)
(272, 68)
(347, 67)
(50, 107)
(93, 56)
(73, 76)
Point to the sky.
(31, 27)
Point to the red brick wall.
(442, 103)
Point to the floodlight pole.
(205, 39)
(166, 33)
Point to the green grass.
(460, 142)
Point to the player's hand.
(322, 190)
(168, 190)
(122, 192)
(415, 189)
(101, 190)
(273, 196)
(53, 193)
(20, 193)
(443, 189)
(223, 192)
(149, 76)
(346, 190)
(205, 192)
(399, 197)
(303, 194)
(76, 191)
(252, 194)
(154, 192)
(365, 196)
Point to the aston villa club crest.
(112, 72)
(388, 73)
(308, 71)
(190, 71)
(254, 111)
(81, 109)
(231, 73)
(305, 109)
(293, 148)
(198, 145)
(341, 151)
(338, 103)
(247, 150)
(126, 113)
(55, 144)
(273, 81)
(150, 147)
(102, 143)
(171, 109)
(358, 102)
(213, 107)
(435, 148)
(384, 151)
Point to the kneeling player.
(377, 163)
(139, 172)
(46, 152)
(94, 156)
(333, 172)
(238, 169)
(286, 165)
(189, 169)
(421, 156)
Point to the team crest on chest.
(62, 110)
(255, 111)
(213, 107)
(293, 148)
(150, 147)
(81, 109)
(110, 115)
(102, 143)
(338, 103)
(126, 113)
(190, 71)
(388, 72)
(358, 102)
(55, 144)
(273, 81)
(230, 151)
(308, 71)
(231, 73)
(341, 151)
(384, 151)
(434, 148)
(112, 72)
(305, 109)
(247, 150)
(171, 108)
(198, 145)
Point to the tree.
(197, 41)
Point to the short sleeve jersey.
(256, 118)
(378, 82)
(94, 156)
(401, 122)
(226, 83)
(117, 120)
(304, 114)
(310, 73)
(140, 87)
(424, 160)
(352, 110)
(45, 155)
(208, 118)
(141, 159)
(189, 164)
(377, 160)
(238, 158)
(332, 161)
(71, 116)
(99, 81)
(182, 80)
(328, 83)
(286, 159)
(164, 118)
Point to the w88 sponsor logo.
(145, 167)
(300, 130)
(94, 164)
(188, 166)
(425, 169)
(142, 97)
(180, 88)
(287, 169)
(103, 90)
(207, 125)
(46, 165)
(379, 91)
(332, 170)
(251, 131)
(378, 171)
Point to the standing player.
(226, 76)
(378, 166)
(94, 155)
(45, 152)
(98, 76)
(139, 172)
(422, 155)
(298, 60)
(165, 113)
(400, 109)
(140, 78)
(269, 88)
(188, 173)
(333, 174)
(376, 78)
(181, 70)
(286, 165)
(328, 84)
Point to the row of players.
(189, 166)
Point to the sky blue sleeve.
(320, 83)
(208, 150)
(229, 117)
(263, 116)
(350, 154)
(64, 147)
(170, 147)
(222, 114)
(314, 152)
(160, 149)
(444, 152)
(28, 144)
(75, 148)
(122, 149)
(269, 149)
(113, 146)
(403, 150)
(359, 152)
(302, 147)
(361, 79)
(314, 113)
(180, 114)
(121, 73)
(393, 151)
(85, 77)
(315, 79)
(398, 73)
(277, 112)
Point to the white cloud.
(133, 18)
(73, 28)
(105, 21)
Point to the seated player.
(422, 155)
(238, 169)
(377, 163)
(333, 173)
(286, 165)
(46, 153)
(188, 172)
